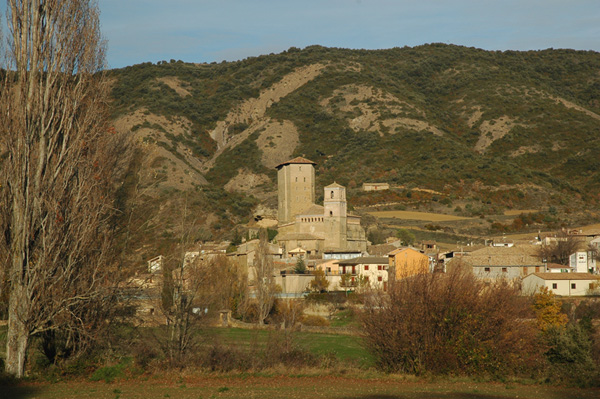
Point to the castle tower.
(334, 202)
(295, 188)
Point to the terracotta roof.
(312, 211)
(297, 160)
(381, 249)
(364, 260)
(399, 250)
(503, 256)
(297, 236)
(557, 266)
(566, 276)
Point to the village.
(329, 242)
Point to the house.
(510, 263)
(297, 253)
(371, 270)
(564, 284)
(244, 256)
(405, 262)
(329, 266)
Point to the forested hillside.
(501, 130)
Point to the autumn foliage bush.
(451, 324)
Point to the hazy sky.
(216, 30)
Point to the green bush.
(111, 373)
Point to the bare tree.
(560, 249)
(264, 278)
(56, 169)
(193, 290)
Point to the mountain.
(489, 129)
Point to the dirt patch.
(160, 166)
(246, 181)
(366, 108)
(277, 142)
(475, 116)
(576, 107)
(252, 113)
(254, 109)
(531, 149)
(494, 130)
(175, 84)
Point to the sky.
(215, 30)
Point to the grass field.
(345, 348)
(278, 385)
(423, 216)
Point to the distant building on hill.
(375, 186)
(314, 228)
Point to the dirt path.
(278, 385)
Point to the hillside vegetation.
(499, 130)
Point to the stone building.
(304, 224)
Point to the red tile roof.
(297, 160)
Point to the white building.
(372, 270)
(582, 262)
(564, 284)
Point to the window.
(486, 269)
(504, 270)
(366, 267)
(379, 278)
(573, 286)
(305, 180)
(296, 180)
(332, 194)
(366, 279)
(379, 267)
(554, 286)
(330, 213)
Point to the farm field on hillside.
(190, 385)
(424, 216)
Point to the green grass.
(344, 347)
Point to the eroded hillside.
(498, 130)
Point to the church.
(314, 229)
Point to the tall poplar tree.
(57, 159)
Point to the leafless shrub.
(449, 323)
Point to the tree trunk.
(18, 334)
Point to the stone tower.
(334, 202)
(295, 188)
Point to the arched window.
(330, 213)
(332, 194)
